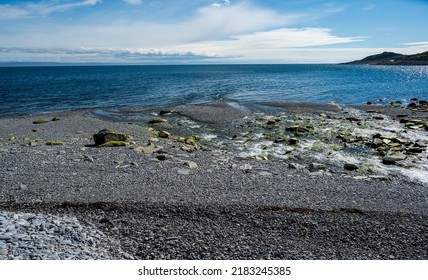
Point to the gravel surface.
(208, 204)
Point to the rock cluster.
(32, 236)
(110, 138)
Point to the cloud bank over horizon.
(135, 31)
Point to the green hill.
(390, 58)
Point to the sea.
(31, 90)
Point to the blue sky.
(209, 31)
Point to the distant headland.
(391, 58)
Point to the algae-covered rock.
(165, 112)
(158, 121)
(12, 138)
(273, 121)
(55, 119)
(54, 143)
(191, 142)
(113, 144)
(104, 136)
(181, 139)
(164, 134)
(39, 121)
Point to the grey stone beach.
(215, 181)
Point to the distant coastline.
(391, 58)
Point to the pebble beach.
(216, 181)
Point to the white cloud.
(9, 12)
(42, 8)
(133, 2)
(218, 5)
(417, 44)
(209, 24)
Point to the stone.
(415, 150)
(150, 149)
(191, 164)
(272, 121)
(161, 157)
(164, 134)
(158, 121)
(23, 187)
(377, 142)
(55, 119)
(298, 128)
(350, 166)
(296, 166)
(183, 171)
(113, 144)
(104, 136)
(3, 252)
(89, 158)
(293, 141)
(314, 167)
(5, 237)
(55, 143)
(393, 158)
(153, 140)
(243, 156)
(353, 119)
(265, 173)
(189, 148)
(39, 121)
(246, 167)
(165, 112)
(191, 141)
(2, 245)
(379, 118)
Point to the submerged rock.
(104, 136)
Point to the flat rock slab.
(218, 113)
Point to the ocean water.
(28, 90)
